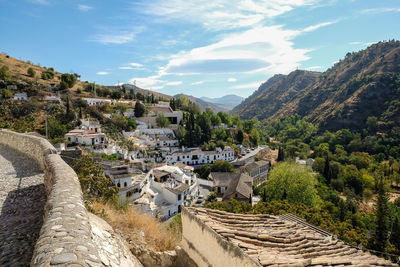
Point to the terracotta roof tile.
(285, 241)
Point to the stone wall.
(207, 248)
(68, 236)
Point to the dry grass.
(134, 224)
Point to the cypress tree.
(395, 235)
(326, 170)
(382, 217)
(281, 154)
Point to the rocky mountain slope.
(363, 84)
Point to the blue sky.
(202, 48)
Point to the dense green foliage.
(93, 182)
(218, 166)
(48, 74)
(139, 109)
(162, 121)
(69, 79)
(292, 182)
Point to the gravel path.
(22, 199)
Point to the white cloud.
(221, 14)
(102, 73)
(136, 65)
(266, 48)
(114, 39)
(254, 86)
(132, 66)
(117, 36)
(151, 82)
(361, 43)
(84, 7)
(317, 26)
(380, 10)
(197, 83)
(232, 80)
(174, 83)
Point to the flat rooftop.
(284, 240)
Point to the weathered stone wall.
(207, 248)
(67, 236)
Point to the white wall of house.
(201, 157)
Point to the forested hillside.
(364, 84)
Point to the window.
(125, 184)
(119, 185)
(179, 197)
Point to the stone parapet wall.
(66, 236)
(207, 248)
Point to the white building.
(171, 187)
(132, 183)
(86, 137)
(96, 101)
(91, 125)
(20, 97)
(200, 157)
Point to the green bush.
(31, 72)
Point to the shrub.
(68, 79)
(135, 225)
(31, 72)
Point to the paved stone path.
(22, 200)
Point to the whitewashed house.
(86, 137)
(132, 183)
(197, 156)
(170, 189)
(96, 101)
(20, 97)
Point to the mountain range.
(363, 84)
(228, 101)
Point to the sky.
(201, 48)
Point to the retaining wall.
(66, 237)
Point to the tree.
(239, 136)
(225, 118)
(395, 234)
(55, 128)
(215, 120)
(281, 154)
(326, 169)
(4, 75)
(93, 182)
(292, 182)
(222, 166)
(254, 137)
(116, 94)
(162, 121)
(205, 124)
(31, 72)
(139, 109)
(371, 124)
(382, 217)
(69, 79)
(352, 178)
(48, 74)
